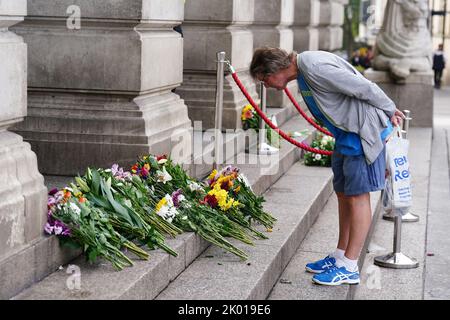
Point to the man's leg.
(344, 221)
(360, 219)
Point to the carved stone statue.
(404, 44)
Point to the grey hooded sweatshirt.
(348, 100)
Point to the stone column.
(305, 27)
(100, 87)
(331, 21)
(271, 27)
(211, 26)
(22, 190)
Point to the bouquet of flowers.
(79, 224)
(321, 142)
(105, 210)
(181, 201)
(236, 186)
(251, 119)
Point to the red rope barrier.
(304, 115)
(267, 120)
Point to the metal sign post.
(219, 110)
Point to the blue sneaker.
(336, 276)
(321, 265)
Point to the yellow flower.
(247, 108)
(161, 204)
(147, 166)
(237, 189)
(269, 229)
(247, 112)
(213, 174)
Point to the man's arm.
(340, 80)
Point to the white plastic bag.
(397, 194)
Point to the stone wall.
(330, 25)
(305, 27)
(211, 26)
(272, 27)
(22, 190)
(102, 93)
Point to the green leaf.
(92, 255)
(82, 184)
(117, 206)
(95, 181)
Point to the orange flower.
(82, 200)
(67, 194)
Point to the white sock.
(338, 254)
(350, 265)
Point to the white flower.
(75, 208)
(318, 156)
(162, 161)
(169, 200)
(194, 186)
(163, 176)
(167, 213)
(127, 202)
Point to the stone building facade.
(110, 80)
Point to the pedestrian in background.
(438, 65)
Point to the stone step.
(148, 278)
(295, 200)
(295, 283)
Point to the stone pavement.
(436, 279)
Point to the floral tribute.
(112, 213)
(321, 142)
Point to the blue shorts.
(353, 176)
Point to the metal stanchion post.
(263, 146)
(396, 259)
(219, 110)
(407, 217)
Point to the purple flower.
(58, 230)
(51, 201)
(48, 228)
(177, 197)
(115, 169)
(59, 196)
(119, 173)
(52, 192)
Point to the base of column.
(23, 209)
(416, 94)
(199, 94)
(279, 99)
(70, 132)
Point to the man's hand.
(397, 118)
